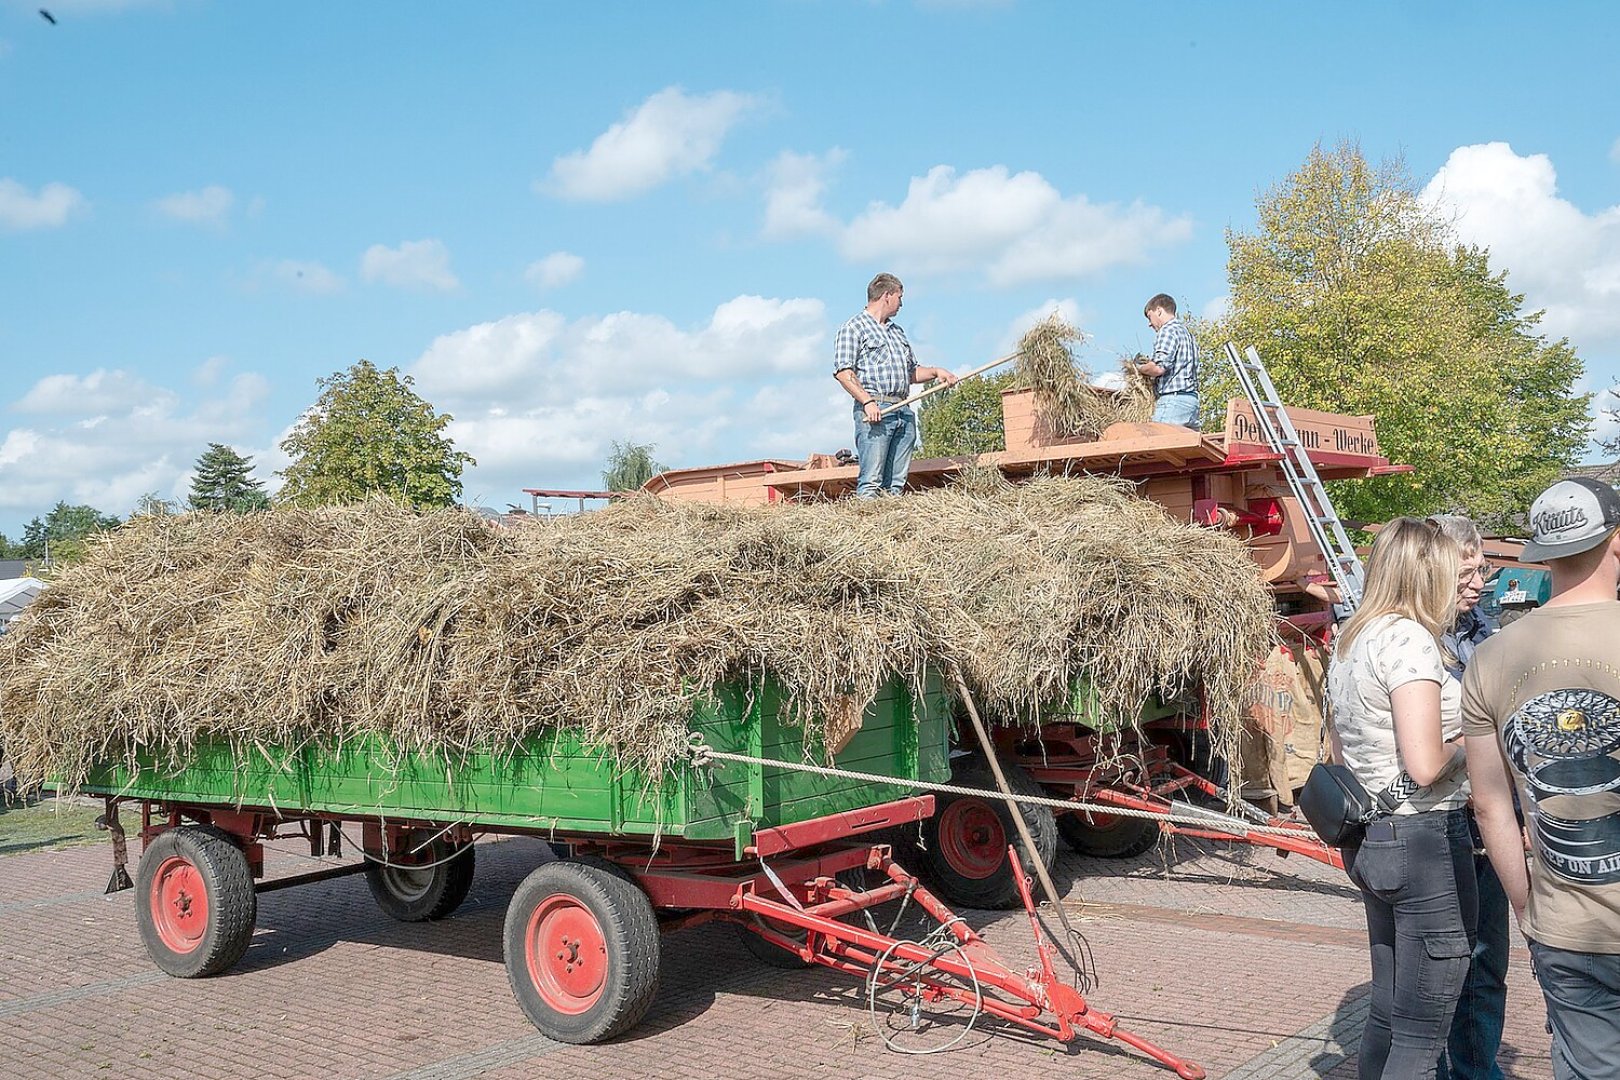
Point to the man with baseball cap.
(1541, 707)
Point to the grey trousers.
(1583, 1009)
(1416, 875)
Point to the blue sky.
(579, 223)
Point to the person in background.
(1476, 1030)
(1541, 705)
(1173, 366)
(1395, 715)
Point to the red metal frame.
(1024, 999)
(694, 883)
(1086, 769)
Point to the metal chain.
(703, 754)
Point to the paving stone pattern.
(1251, 965)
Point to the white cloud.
(308, 277)
(1014, 228)
(538, 398)
(1563, 259)
(1216, 309)
(125, 438)
(415, 264)
(99, 392)
(51, 206)
(555, 270)
(210, 206)
(796, 186)
(671, 134)
(208, 372)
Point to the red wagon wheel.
(1109, 836)
(179, 904)
(566, 951)
(972, 839)
(966, 841)
(194, 902)
(582, 951)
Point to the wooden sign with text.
(1319, 432)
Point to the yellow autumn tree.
(1360, 300)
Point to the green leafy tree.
(10, 549)
(1360, 301)
(370, 432)
(223, 480)
(152, 504)
(630, 465)
(965, 420)
(61, 534)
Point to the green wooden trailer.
(556, 785)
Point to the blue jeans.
(885, 450)
(1177, 409)
(1582, 991)
(1476, 1030)
(1416, 875)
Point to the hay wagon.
(739, 834)
(1231, 481)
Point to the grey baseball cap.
(1570, 517)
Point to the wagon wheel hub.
(972, 838)
(179, 905)
(567, 954)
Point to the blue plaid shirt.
(1175, 350)
(878, 353)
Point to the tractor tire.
(1108, 836)
(582, 952)
(194, 902)
(426, 894)
(967, 838)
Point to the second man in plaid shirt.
(1174, 366)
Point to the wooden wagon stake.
(1012, 804)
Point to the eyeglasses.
(1486, 574)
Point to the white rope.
(1194, 815)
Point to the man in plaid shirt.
(873, 362)
(1174, 366)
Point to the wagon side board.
(555, 782)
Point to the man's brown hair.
(882, 286)
(1164, 302)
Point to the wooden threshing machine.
(1248, 479)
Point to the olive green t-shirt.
(1549, 687)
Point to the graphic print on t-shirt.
(1567, 745)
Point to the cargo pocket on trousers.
(1442, 978)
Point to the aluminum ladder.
(1327, 531)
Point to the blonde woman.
(1396, 722)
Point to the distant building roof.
(15, 593)
(1608, 474)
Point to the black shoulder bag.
(1338, 806)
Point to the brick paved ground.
(1251, 965)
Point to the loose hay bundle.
(1068, 406)
(437, 633)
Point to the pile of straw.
(1067, 405)
(436, 632)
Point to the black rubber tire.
(770, 954)
(630, 947)
(1124, 838)
(857, 878)
(227, 887)
(423, 895)
(986, 886)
